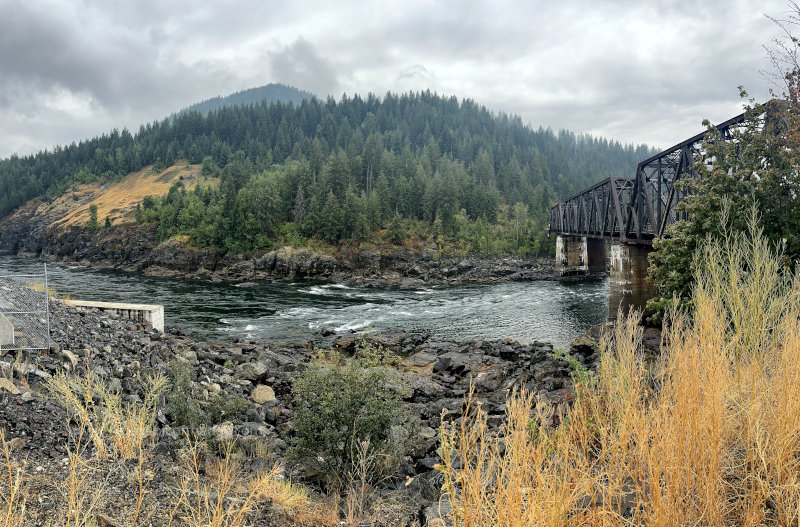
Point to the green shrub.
(183, 408)
(347, 411)
(223, 408)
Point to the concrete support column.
(579, 255)
(6, 332)
(629, 287)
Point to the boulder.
(223, 432)
(70, 360)
(263, 394)
(421, 363)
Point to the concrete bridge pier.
(579, 255)
(629, 287)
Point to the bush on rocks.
(347, 414)
(182, 407)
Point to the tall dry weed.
(225, 498)
(219, 501)
(517, 481)
(116, 428)
(12, 502)
(707, 434)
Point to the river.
(525, 311)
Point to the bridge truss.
(639, 209)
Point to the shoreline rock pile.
(243, 389)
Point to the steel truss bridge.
(639, 209)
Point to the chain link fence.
(24, 312)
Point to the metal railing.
(24, 312)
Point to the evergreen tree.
(417, 155)
(299, 210)
(92, 217)
(396, 232)
(331, 219)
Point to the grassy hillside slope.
(118, 200)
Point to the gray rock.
(223, 432)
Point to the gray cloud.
(299, 65)
(635, 71)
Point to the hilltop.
(271, 93)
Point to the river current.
(525, 311)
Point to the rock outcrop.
(134, 247)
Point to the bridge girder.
(639, 209)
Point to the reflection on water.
(524, 311)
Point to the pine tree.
(92, 217)
(299, 210)
(396, 232)
(331, 219)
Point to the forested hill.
(416, 164)
(271, 93)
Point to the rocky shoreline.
(133, 247)
(243, 389)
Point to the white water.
(524, 311)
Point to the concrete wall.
(629, 287)
(579, 255)
(6, 332)
(150, 313)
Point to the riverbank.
(243, 390)
(133, 247)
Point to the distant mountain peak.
(270, 93)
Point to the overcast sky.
(637, 71)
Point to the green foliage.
(271, 93)
(754, 171)
(331, 217)
(579, 371)
(396, 232)
(340, 171)
(92, 226)
(347, 409)
(222, 408)
(182, 407)
(370, 355)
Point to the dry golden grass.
(118, 200)
(12, 504)
(293, 500)
(708, 435)
(213, 492)
(115, 428)
(51, 291)
(217, 502)
(226, 499)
